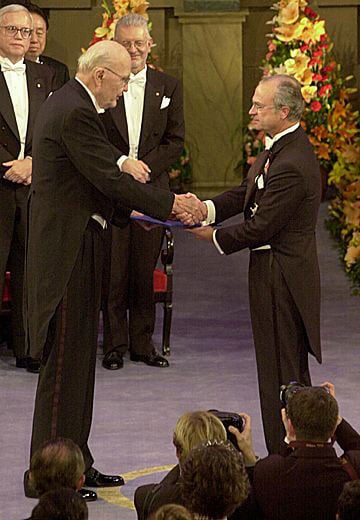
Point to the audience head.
(214, 481)
(349, 501)
(105, 69)
(312, 414)
(38, 36)
(132, 33)
(57, 463)
(195, 428)
(60, 504)
(15, 32)
(172, 512)
(277, 104)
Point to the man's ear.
(284, 112)
(81, 482)
(98, 75)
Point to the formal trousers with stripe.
(65, 391)
(281, 343)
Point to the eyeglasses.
(125, 79)
(260, 108)
(139, 44)
(12, 30)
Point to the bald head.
(103, 54)
(105, 69)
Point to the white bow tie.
(7, 66)
(269, 141)
(138, 80)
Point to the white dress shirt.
(15, 78)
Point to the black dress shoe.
(88, 495)
(113, 360)
(33, 365)
(93, 478)
(153, 359)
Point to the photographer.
(192, 429)
(307, 478)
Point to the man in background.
(24, 86)
(38, 44)
(147, 127)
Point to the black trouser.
(132, 253)
(65, 392)
(281, 343)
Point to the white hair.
(98, 55)
(15, 8)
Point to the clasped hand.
(189, 209)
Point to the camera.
(286, 391)
(230, 419)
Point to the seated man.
(214, 481)
(58, 463)
(306, 480)
(349, 502)
(192, 429)
(60, 504)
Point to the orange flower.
(320, 132)
(323, 151)
(290, 13)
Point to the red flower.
(315, 106)
(310, 13)
(304, 47)
(317, 77)
(324, 90)
(313, 62)
(318, 53)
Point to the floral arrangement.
(298, 45)
(114, 10)
(180, 173)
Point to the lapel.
(154, 91)
(6, 107)
(118, 115)
(252, 174)
(37, 94)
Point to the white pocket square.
(165, 102)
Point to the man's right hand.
(189, 209)
(137, 169)
(244, 440)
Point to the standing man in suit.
(280, 200)
(76, 188)
(147, 127)
(24, 86)
(38, 44)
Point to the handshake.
(189, 209)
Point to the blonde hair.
(195, 428)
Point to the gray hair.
(98, 55)
(132, 20)
(288, 93)
(15, 8)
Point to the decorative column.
(213, 95)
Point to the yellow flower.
(308, 93)
(286, 33)
(297, 64)
(309, 31)
(289, 14)
(352, 255)
(352, 213)
(101, 32)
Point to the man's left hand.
(19, 171)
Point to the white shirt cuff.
(216, 244)
(121, 160)
(211, 213)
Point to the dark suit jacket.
(162, 130)
(40, 83)
(74, 176)
(61, 71)
(306, 482)
(285, 219)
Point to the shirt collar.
(269, 141)
(140, 74)
(6, 60)
(99, 110)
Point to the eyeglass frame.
(12, 30)
(138, 44)
(124, 80)
(260, 108)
